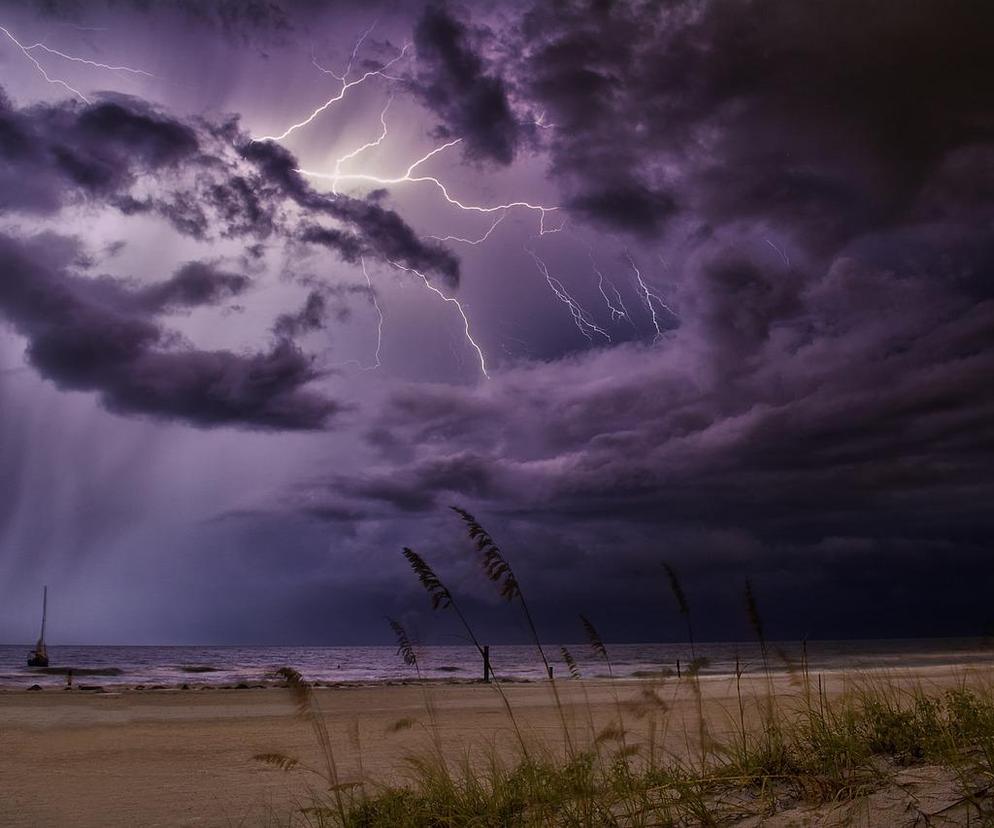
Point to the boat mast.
(44, 612)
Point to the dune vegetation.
(882, 752)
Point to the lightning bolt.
(337, 175)
(352, 59)
(369, 144)
(780, 251)
(410, 178)
(379, 316)
(27, 52)
(580, 317)
(346, 86)
(92, 63)
(371, 292)
(648, 296)
(541, 123)
(618, 311)
(480, 240)
(41, 69)
(543, 231)
(459, 307)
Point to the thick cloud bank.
(827, 120)
(210, 182)
(820, 184)
(95, 334)
(807, 191)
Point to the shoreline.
(784, 683)
(88, 680)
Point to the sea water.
(170, 666)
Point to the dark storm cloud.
(208, 181)
(100, 334)
(192, 285)
(630, 206)
(826, 119)
(840, 388)
(311, 317)
(381, 231)
(822, 466)
(776, 409)
(818, 181)
(452, 80)
(346, 244)
(262, 21)
(822, 415)
(813, 426)
(414, 487)
(53, 154)
(389, 236)
(63, 154)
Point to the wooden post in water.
(486, 662)
(678, 668)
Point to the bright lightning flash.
(27, 52)
(780, 252)
(346, 86)
(580, 317)
(41, 69)
(480, 240)
(369, 144)
(92, 63)
(411, 178)
(648, 295)
(459, 307)
(379, 316)
(618, 311)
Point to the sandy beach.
(185, 757)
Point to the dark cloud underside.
(94, 334)
(453, 81)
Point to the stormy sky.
(709, 283)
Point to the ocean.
(159, 666)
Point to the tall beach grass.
(784, 742)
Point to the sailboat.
(39, 657)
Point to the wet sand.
(184, 757)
